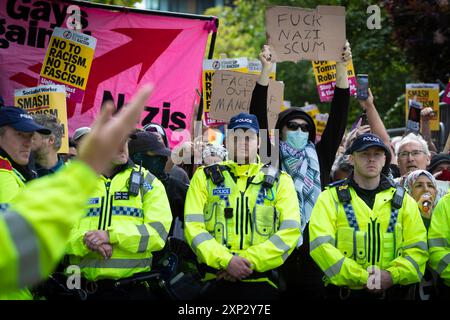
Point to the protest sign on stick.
(427, 94)
(325, 75)
(49, 99)
(296, 34)
(68, 61)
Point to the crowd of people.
(356, 216)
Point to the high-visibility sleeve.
(207, 249)
(152, 234)
(36, 227)
(341, 271)
(75, 245)
(439, 239)
(10, 186)
(409, 267)
(273, 252)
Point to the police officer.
(127, 218)
(366, 232)
(240, 219)
(17, 128)
(439, 243)
(35, 227)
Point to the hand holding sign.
(306, 34)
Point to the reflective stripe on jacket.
(344, 253)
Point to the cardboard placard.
(275, 101)
(49, 99)
(325, 75)
(209, 69)
(428, 95)
(232, 93)
(68, 61)
(296, 34)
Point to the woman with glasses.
(309, 164)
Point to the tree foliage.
(242, 33)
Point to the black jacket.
(332, 135)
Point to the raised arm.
(337, 121)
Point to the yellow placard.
(69, 58)
(48, 99)
(255, 67)
(428, 95)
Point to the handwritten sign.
(232, 94)
(68, 61)
(306, 34)
(49, 99)
(428, 95)
(325, 74)
(209, 68)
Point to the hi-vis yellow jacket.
(260, 225)
(137, 226)
(11, 181)
(439, 239)
(36, 225)
(344, 245)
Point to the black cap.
(437, 160)
(144, 141)
(297, 113)
(20, 120)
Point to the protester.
(171, 168)
(365, 221)
(309, 164)
(79, 134)
(412, 154)
(240, 219)
(440, 166)
(42, 214)
(45, 147)
(421, 185)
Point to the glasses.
(414, 154)
(293, 126)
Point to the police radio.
(135, 181)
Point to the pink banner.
(132, 49)
(326, 90)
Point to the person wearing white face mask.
(309, 164)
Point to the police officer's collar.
(385, 183)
